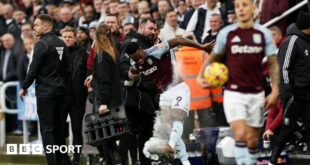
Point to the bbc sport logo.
(37, 149)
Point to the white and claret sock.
(253, 155)
(241, 153)
(176, 133)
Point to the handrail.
(4, 108)
(286, 13)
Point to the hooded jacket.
(294, 60)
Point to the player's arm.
(275, 81)
(186, 42)
(270, 52)
(216, 55)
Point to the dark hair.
(144, 21)
(45, 18)
(131, 47)
(169, 11)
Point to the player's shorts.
(244, 106)
(177, 97)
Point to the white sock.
(186, 162)
(241, 153)
(176, 133)
(252, 157)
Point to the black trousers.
(76, 114)
(297, 109)
(141, 124)
(48, 109)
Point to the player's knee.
(239, 135)
(252, 141)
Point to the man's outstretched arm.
(186, 42)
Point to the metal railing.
(4, 109)
(286, 13)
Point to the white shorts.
(177, 97)
(242, 106)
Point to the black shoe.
(276, 152)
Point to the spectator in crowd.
(134, 5)
(19, 16)
(129, 27)
(113, 24)
(216, 24)
(155, 13)
(98, 6)
(66, 19)
(143, 6)
(124, 15)
(77, 12)
(11, 24)
(230, 17)
(171, 28)
(203, 14)
(277, 36)
(82, 37)
(92, 30)
(25, 60)
(272, 9)
(88, 17)
(195, 5)
(145, 15)
(2, 20)
(27, 31)
(8, 68)
(49, 71)
(294, 62)
(181, 10)
(140, 106)
(74, 101)
(244, 98)
(68, 3)
(113, 7)
(163, 7)
(106, 82)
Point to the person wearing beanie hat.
(82, 36)
(294, 60)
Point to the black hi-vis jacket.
(48, 66)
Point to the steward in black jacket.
(48, 66)
(48, 69)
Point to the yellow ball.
(216, 74)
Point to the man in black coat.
(74, 101)
(48, 70)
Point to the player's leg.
(181, 152)
(241, 151)
(235, 112)
(255, 112)
(252, 134)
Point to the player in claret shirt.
(157, 65)
(243, 46)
